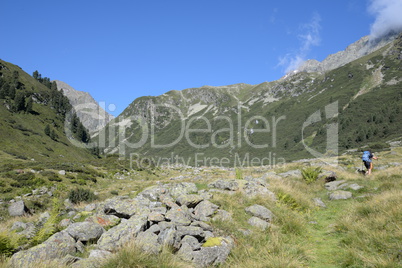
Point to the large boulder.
(259, 223)
(338, 195)
(204, 210)
(56, 247)
(231, 185)
(212, 255)
(85, 231)
(124, 207)
(122, 233)
(179, 216)
(18, 209)
(260, 212)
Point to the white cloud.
(388, 17)
(309, 37)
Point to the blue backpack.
(366, 156)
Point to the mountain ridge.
(91, 114)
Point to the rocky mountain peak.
(91, 114)
(358, 49)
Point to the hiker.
(367, 161)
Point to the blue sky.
(123, 49)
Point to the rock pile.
(164, 215)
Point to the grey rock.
(189, 200)
(259, 223)
(123, 207)
(18, 209)
(166, 225)
(65, 222)
(19, 225)
(216, 255)
(26, 229)
(155, 217)
(90, 207)
(104, 220)
(85, 231)
(56, 247)
(222, 215)
(333, 185)
(338, 195)
(182, 188)
(203, 225)
(253, 189)
(154, 229)
(178, 216)
(153, 192)
(119, 235)
(204, 210)
(148, 242)
(167, 237)
(185, 252)
(62, 172)
(260, 212)
(99, 254)
(189, 230)
(231, 185)
(319, 203)
(355, 186)
(80, 246)
(191, 241)
(291, 173)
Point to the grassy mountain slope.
(233, 124)
(36, 131)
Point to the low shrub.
(310, 174)
(81, 195)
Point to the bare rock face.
(360, 48)
(90, 113)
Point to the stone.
(182, 188)
(189, 230)
(18, 209)
(104, 220)
(260, 212)
(189, 200)
(119, 235)
(167, 237)
(333, 185)
(259, 223)
(203, 225)
(231, 185)
(319, 203)
(62, 172)
(155, 217)
(26, 229)
(148, 241)
(99, 254)
(212, 256)
(178, 216)
(65, 222)
(355, 186)
(253, 189)
(291, 173)
(222, 215)
(153, 192)
(339, 194)
(85, 231)
(56, 247)
(90, 207)
(124, 207)
(185, 252)
(191, 241)
(204, 210)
